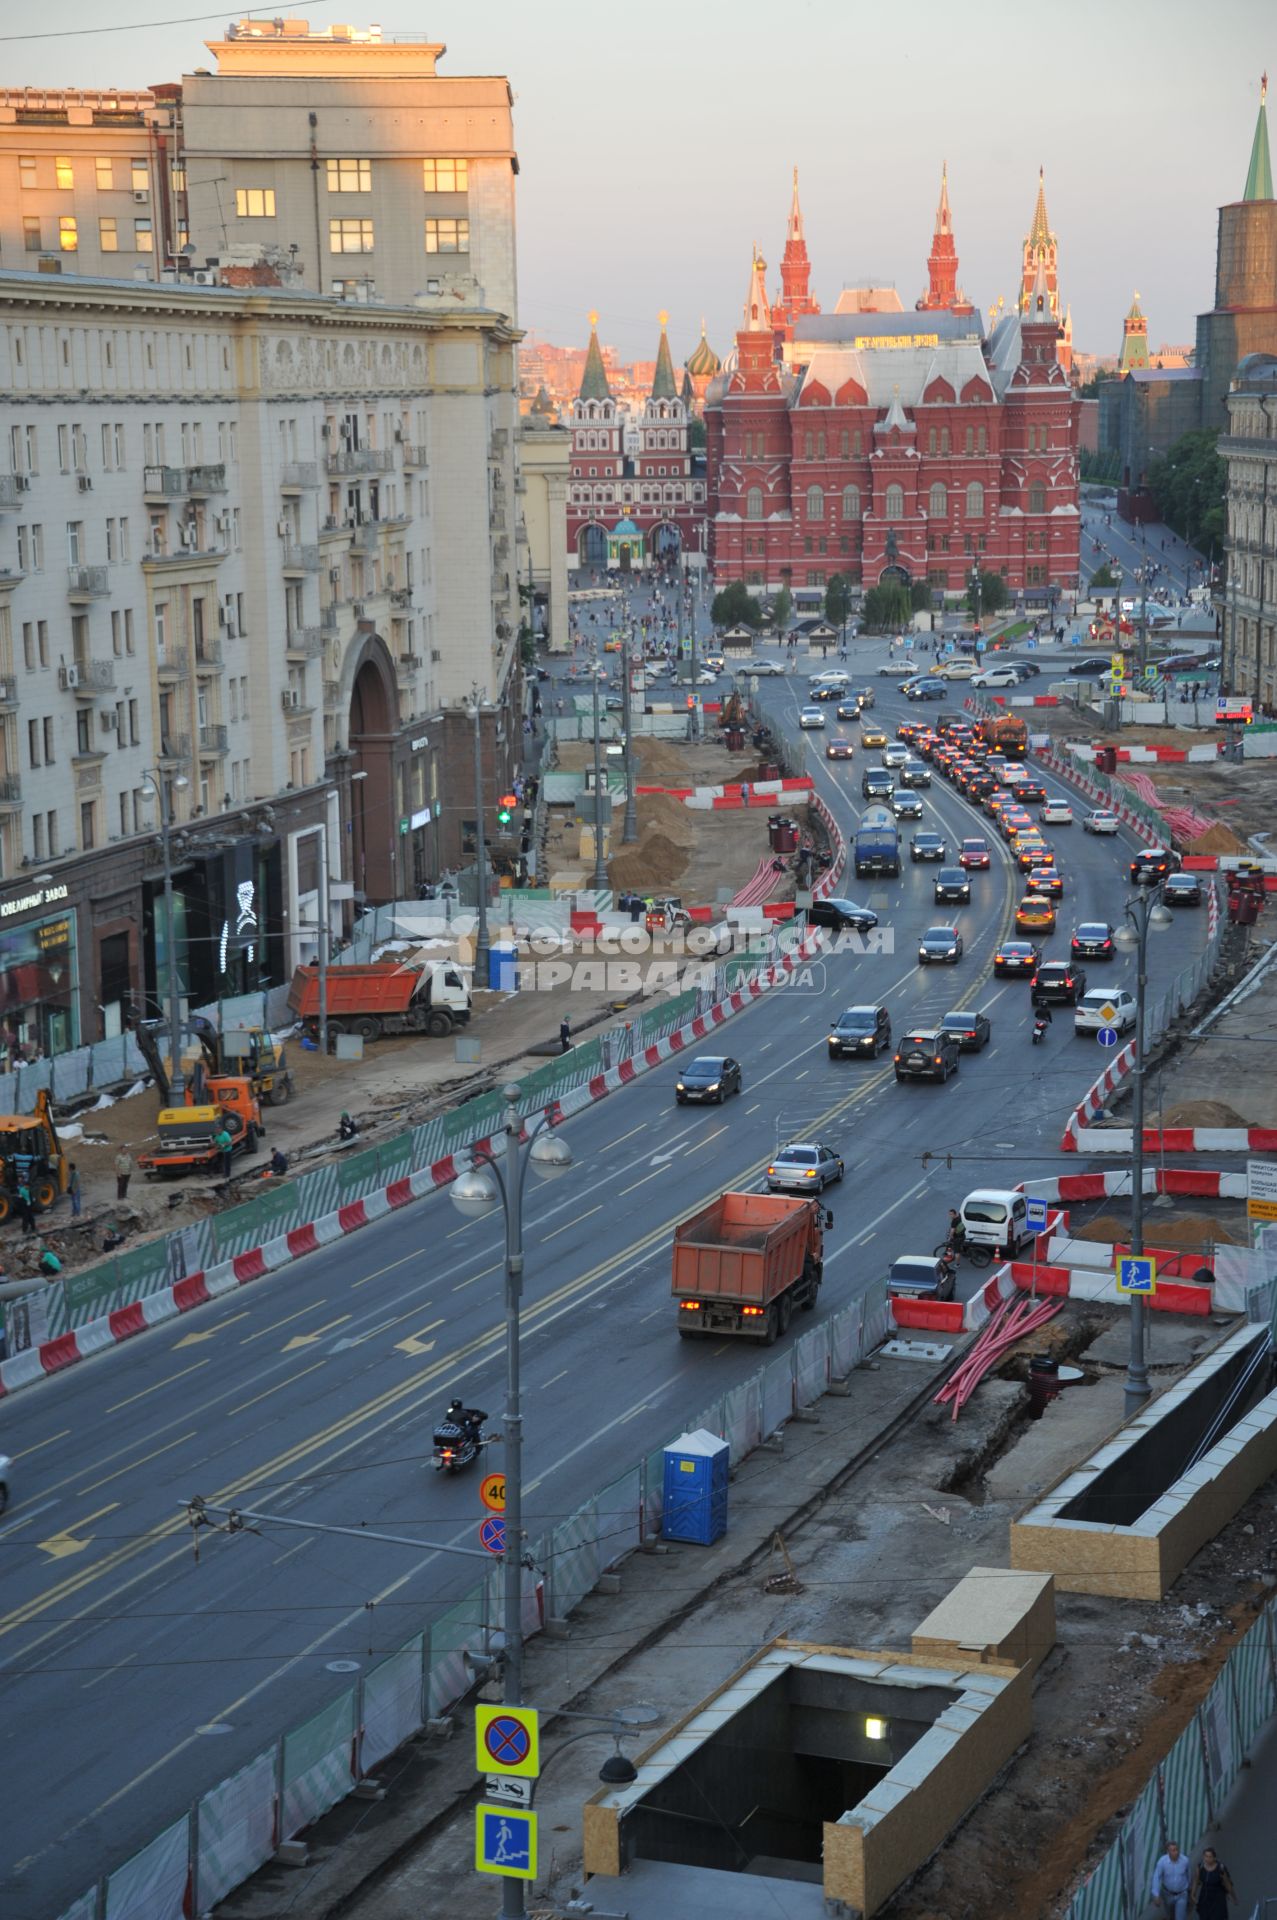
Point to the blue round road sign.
(492, 1533)
(506, 1740)
(1107, 1036)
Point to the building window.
(105, 177)
(349, 176)
(31, 232)
(256, 203)
(1037, 497)
(938, 501)
(447, 236)
(845, 444)
(754, 504)
(108, 238)
(64, 173)
(27, 172)
(944, 439)
(350, 236)
(68, 233)
(820, 446)
(982, 440)
(445, 176)
(143, 237)
(895, 503)
(851, 503)
(975, 501)
(809, 446)
(970, 439)
(88, 815)
(140, 176)
(931, 439)
(815, 577)
(815, 503)
(177, 174)
(855, 443)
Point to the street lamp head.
(618, 1770)
(475, 1194)
(1160, 917)
(550, 1155)
(1126, 938)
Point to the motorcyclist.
(1041, 1013)
(468, 1419)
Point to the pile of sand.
(1193, 1231)
(661, 813)
(661, 763)
(655, 865)
(1203, 1113)
(1217, 839)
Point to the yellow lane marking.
(416, 1342)
(211, 1333)
(368, 1277)
(140, 1461)
(312, 1306)
(483, 1275)
(571, 1223)
(309, 1339)
(28, 1451)
(59, 1545)
(287, 1381)
(167, 1381)
(640, 1128)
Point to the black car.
(860, 1030)
(1181, 890)
(848, 709)
(971, 1030)
(1017, 957)
(906, 806)
(826, 693)
(1030, 793)
(1152, 865)
(841, 913)
(877, 783)
(915, 773)
(927, 1053)
(1093, 940)
(927, 846)
(940, 944)
(953, 884)
(1057, 983)
(1092, 667)
(709, 1077)
(921, 1276)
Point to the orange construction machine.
(744, 1263)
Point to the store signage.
(419, 745)
(876, 340)
(43, 897)
(422, 817)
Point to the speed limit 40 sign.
(492, 1492)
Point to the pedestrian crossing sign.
(1136, 1273)
(505, 1841)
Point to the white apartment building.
(257, 548)
(1249, 449)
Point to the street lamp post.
(1145, 912)
(629, 831)
(481, 958)
(163, 795)
(975, 584)
(600, 871)
(499, 1180)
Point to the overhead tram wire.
(137, 26)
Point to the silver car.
(804, 1167)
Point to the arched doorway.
(667, 542)
(894, 577)
(591, 547)
(373, 814)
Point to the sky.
(657, 141)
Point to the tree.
(992, 595)
(782, 609)
(920, 596)
(696, 435)
(1188, 486)
(734, 605)
(837, 599)
(1105, 577)
(888, 608)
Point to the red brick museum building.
(885, 444)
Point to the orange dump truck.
(746, 1262)
(383, 997)
(1005, 733)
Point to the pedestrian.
(1212, 1887)
(565, 1035)
(279, 1163)
(224, 1144)
(50, 1266)
(1171, 1878)
(73, 1188)
(26, 1211)
(123, 1173)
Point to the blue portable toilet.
(503, 969)
(695, 1503)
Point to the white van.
(995, 1217)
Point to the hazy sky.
(656, 140)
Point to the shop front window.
(39, 1011)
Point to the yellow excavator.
(31, 1155)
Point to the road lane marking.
(754, 1109)
(32, 1513)
(705, 1141)
(463, 1284)
(167, 1381)
(369, 1277)
(640, 1128)
(298, 1546)
(106, 1672)
(558, 1376)
(28, 1451)
(210, 1333)
(640, 1183)
(571, 1223)
(286, 1382)
(59, 1545)
(309, 1339)
(417, 1342)
(139, 1462)
(312, 1306)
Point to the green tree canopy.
(734, 605)
(993, 594)
(837, 599)
(782, 609)
(1188, 486)
(888, 608)
(1105, 577)
(920, 596)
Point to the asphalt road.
(134, 1677)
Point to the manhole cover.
(341, 1666)
(216, 1726)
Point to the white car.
(956, 670)
(762, 666)
(706, 678)
(996, 677)
(1056, 813)
(1104, 1007)
(1101, 821)
(890, 668)
(810, 717)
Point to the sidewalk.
(1243, 1834)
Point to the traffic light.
(505, 808)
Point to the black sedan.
(841, 913)
(921, 1276)
(1091, 668)
(942, 945)
(1093, 940)
(952, 886)
(972, 1030)
(849, 710)
(1152, 865)
(906, 806)
(927, 846)
(708, 1077)
(1017, 957)
(1057, 983)
(1182, 890)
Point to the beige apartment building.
(258, 549)
(1249, 449)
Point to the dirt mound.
(661, 813)
(1217, 839)
(662, 763)
(1106, 1227)
(1193, 1231)
(655, 865)
(1203, 1113)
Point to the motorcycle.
(1039, 1027)
(457, 1440)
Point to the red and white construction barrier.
(54, 1356)
(1093, 1100)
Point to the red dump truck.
(745, 1262)
(383, 997)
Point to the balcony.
(305, 643)
(401, 596)
(208, 655)
(87, 678)
(364, 536)
(10, 494)
(298, 476)
(328, 619)
(332, 693)
(176, 747)
(300, 559)
(183, 556)
(414, 454)
(8, 691)
(10, 790)
(179, 483)
(359, 460)
(294, 701)
(87, 583)
(174, 663)
(410, 662)
(213, 741)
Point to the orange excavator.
(187, 1133)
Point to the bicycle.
(979, 1256)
